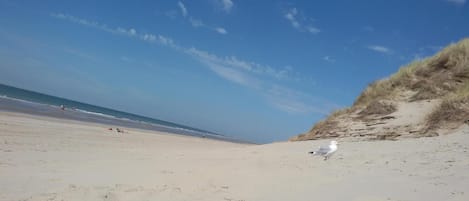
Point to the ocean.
(24, 101)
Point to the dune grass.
(453, 110)
(443, 76)
(430, 78)
(388, 88)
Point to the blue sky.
(257, 70)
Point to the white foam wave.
(95, 113)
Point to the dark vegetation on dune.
(443, 77)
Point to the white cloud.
(328, 59)
(183, 9)
(221, 30)
(227, 5)
(229, 69)
(78, 20)
(248, 74)
(196, 22)
(313, 30)
(199, 23)
(296, 102)
(380, 49)
(233, 75)
(119, 30)
(291, 16)
(59, 15)
(244, 73)
(165, 40)
(130, 32)
(149, 37)
(233, 62)
(457, 2)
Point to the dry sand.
(50, 159)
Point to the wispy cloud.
(261, 78)
(328, 59)
(197, 23)
(159, 39)
(247, 74)
(312, 30)
(221, 30)
(297, 102)
(235, 63)
(183, 9)
(291, 16)
(457, 2)
(368, 28)
(224, 68)
(82, 21)
(131, 32)
(380, 49)
(226, 5)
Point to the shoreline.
(39, 109)
(105, 127)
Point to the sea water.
(30, 102)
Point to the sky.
(261, 70)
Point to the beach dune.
(44, 158)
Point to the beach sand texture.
(43, 158)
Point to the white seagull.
(326, 151)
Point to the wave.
(22, 100)
(99, 114)
(95, 113)
(141, 122)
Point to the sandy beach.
(43, 158)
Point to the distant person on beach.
(62, 107)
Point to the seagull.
(326, 151)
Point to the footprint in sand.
(167, 172)
(231, 199)
(117, 192)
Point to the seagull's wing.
(330, 152)
(322, 151)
